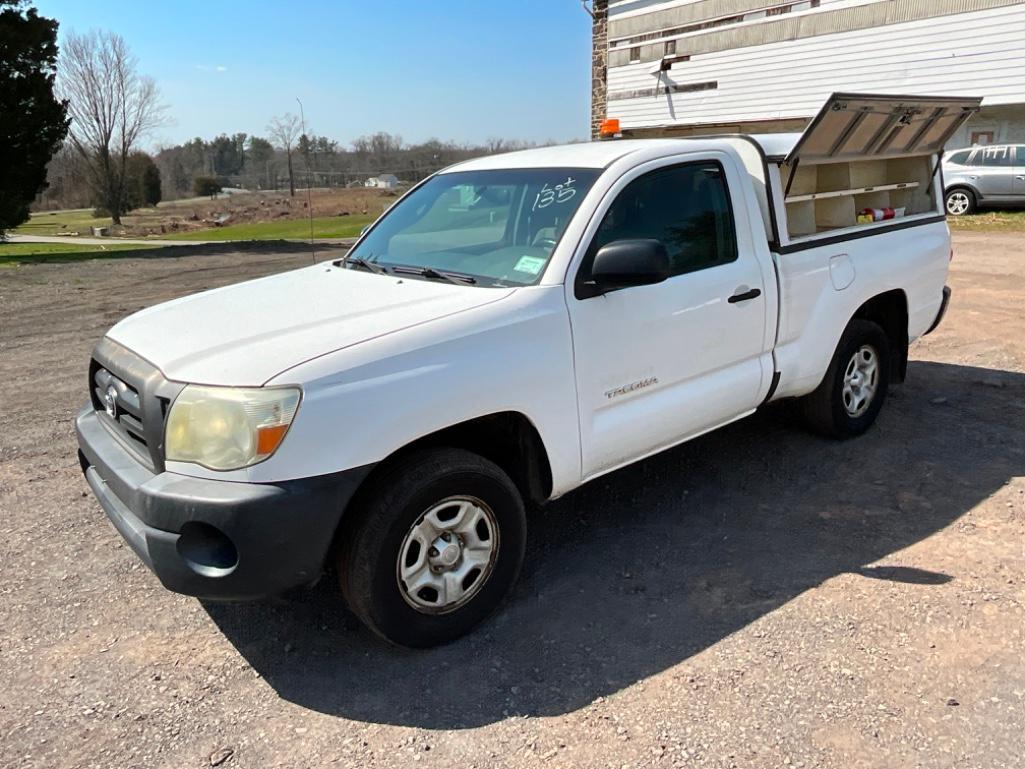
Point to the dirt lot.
(757, 598)
(247, 208)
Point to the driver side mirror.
(625, 264)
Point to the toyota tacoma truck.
(513, 327)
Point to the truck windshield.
(498, 227)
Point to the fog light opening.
(207, 550)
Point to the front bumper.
(215, 539)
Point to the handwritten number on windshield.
(561, 193)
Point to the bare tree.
(111, 108)
(284, 131)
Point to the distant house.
(384, 181)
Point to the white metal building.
(384, 181)
(701, 66)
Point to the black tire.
(826, 409)
(388, 509)
(960, 201)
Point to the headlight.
(227, 428)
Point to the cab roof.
(604, 153)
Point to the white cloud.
(211, 68)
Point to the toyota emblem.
(110, 402)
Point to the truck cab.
(513, 327)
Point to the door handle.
(744, 296)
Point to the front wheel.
(960, 202)
(434, 547)
(854, 388)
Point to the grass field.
(296, 229)
(19, 253)
(989, 221)
(78, 220)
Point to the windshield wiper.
(366, 264)
(457, 278)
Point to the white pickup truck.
(510, 329)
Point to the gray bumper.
(215, 539)
(944, 304)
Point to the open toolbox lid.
(852, 127)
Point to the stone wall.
(599, 65)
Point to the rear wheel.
(960, 202)
(434, 548)
(854, 388)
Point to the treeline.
(72, 183)
(254, 163)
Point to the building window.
(635, 54)
(670, 48)
(982, 137)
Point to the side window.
(1021, 156)
(999, 157)
(685, 207)
(959, 158)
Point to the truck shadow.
(640, 570)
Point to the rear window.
(959, 158)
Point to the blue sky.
(465, 70)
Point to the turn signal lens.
(228, 428)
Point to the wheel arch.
(507, 438)
(961, 186)
(889, 310)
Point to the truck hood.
(247, 333)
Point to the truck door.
(659, 363)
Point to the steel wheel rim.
(861, 380)
(957, 203)
(447, 555)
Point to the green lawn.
(989, 221)
(78, 220)
(285, 229)
(18, 253)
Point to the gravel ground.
(757, 598)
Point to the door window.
(995, 157)
(687, 208)
(1020, 161)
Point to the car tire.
(960, 201)
(420, 530)
(852, 393)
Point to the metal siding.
(944, 55)
(629, 19)
(807, 24)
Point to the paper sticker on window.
(530, 264)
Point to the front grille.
(131, 397)
(120, 402)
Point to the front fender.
(364, 403)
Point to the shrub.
(204, 186)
